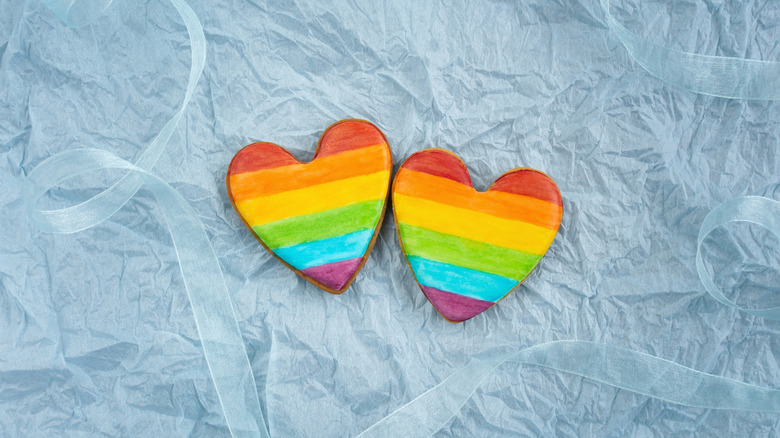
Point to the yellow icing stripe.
(474, 225)
(314, 199)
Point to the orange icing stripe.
(495, 203)
(347, 164)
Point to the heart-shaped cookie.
(469, 249)
(319, 218)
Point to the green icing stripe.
(466, 253)
(323, 225)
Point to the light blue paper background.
(97, 336)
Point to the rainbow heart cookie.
(319, 218)
(469, 249)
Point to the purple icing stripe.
(453, 306)
(334, 275)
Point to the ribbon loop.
(212, 307)
(719, 76)
(103, 205)
(752, 209)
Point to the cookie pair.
(467, 249)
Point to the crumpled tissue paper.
(96, 333)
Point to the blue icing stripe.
(462, 281)
(320, 252)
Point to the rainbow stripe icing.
(320, 218)
(468, 249)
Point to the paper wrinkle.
(97, 336)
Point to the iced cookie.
(319, 218)
(469, 249)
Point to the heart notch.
(319, 218)
(469, 249)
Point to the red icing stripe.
(441, 163)
(259, 156)
(349, 135)
(529, 182)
